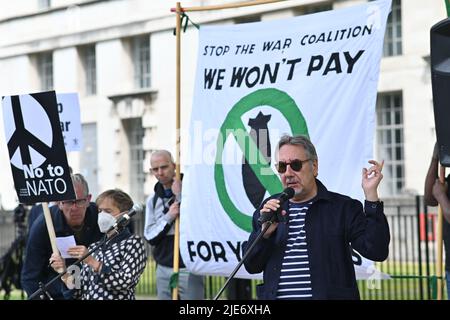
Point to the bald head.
(162, 154)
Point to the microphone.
(123, 220)
(287, 194)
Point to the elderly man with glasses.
(77, 217)
(306, 253)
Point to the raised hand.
(371, 179)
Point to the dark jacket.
(333, 222)
(36, 266)
(35, 211)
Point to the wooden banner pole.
(50, 228)
(439, 241)
(176, 242)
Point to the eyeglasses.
(78, 202)
(295, 164)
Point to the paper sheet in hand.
(64, 243)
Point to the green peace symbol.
(232, 125)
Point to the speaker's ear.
(440, 81)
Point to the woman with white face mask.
(110, 273)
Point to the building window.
(141, 61)
(44, 4)
(90, 69)
(313, 9)
(318, 8)
(247, 19)
(135, 135)
(88, 157)
(390, 142)
(393, 36)
(45, 70)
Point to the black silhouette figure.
(22, 138)
(260, 134)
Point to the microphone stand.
(42, 291)
(230, 277)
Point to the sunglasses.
(295, 164)
(78, 202)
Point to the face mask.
(105, 221)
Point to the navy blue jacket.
(35, 211)
(36, 266)
(333, 222)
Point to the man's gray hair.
(78, 178)
(300, 140)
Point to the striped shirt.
(295, 276)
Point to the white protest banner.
(69, 117)
(316, 75)
(36, 148)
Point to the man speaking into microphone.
(306, 251)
